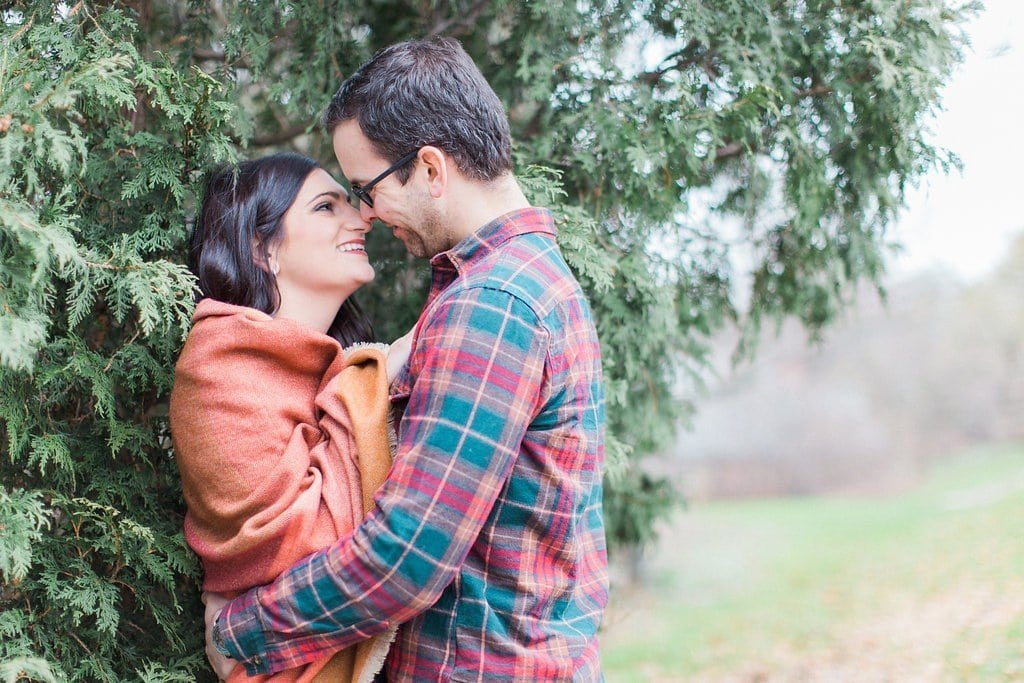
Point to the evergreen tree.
(640, 124)
(100, 151)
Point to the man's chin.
(412, 247)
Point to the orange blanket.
(281, 439)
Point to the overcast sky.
(965, 221)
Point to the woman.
(280, 435)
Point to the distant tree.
(632, 121)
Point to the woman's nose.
(361, 224)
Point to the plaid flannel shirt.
(488, 542)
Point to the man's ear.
(435, 163)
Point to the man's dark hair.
(426, 92)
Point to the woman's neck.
(315, 312)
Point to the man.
(487, 543)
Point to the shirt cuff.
(241, 633)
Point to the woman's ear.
(435, 164)
(265, 258)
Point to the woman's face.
(323, 250)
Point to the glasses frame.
(363, 191)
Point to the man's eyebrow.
(330, 193)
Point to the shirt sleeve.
(478, 364)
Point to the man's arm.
(479, 366)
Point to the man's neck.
(485, 202)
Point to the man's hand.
(221, 665)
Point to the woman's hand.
(221, 665)
(398, 354)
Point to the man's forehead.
(354, 151)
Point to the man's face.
(406, 209)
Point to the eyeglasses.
(363, 191)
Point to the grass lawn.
(924, 586)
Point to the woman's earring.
(275, 268)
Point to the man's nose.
(366, 212)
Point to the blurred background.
(854, 505)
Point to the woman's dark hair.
(240, 218)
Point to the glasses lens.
(359, 194)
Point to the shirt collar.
(492, 235)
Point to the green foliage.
(101, 150)
(672, 139)
(26, 668)
(24, 517)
